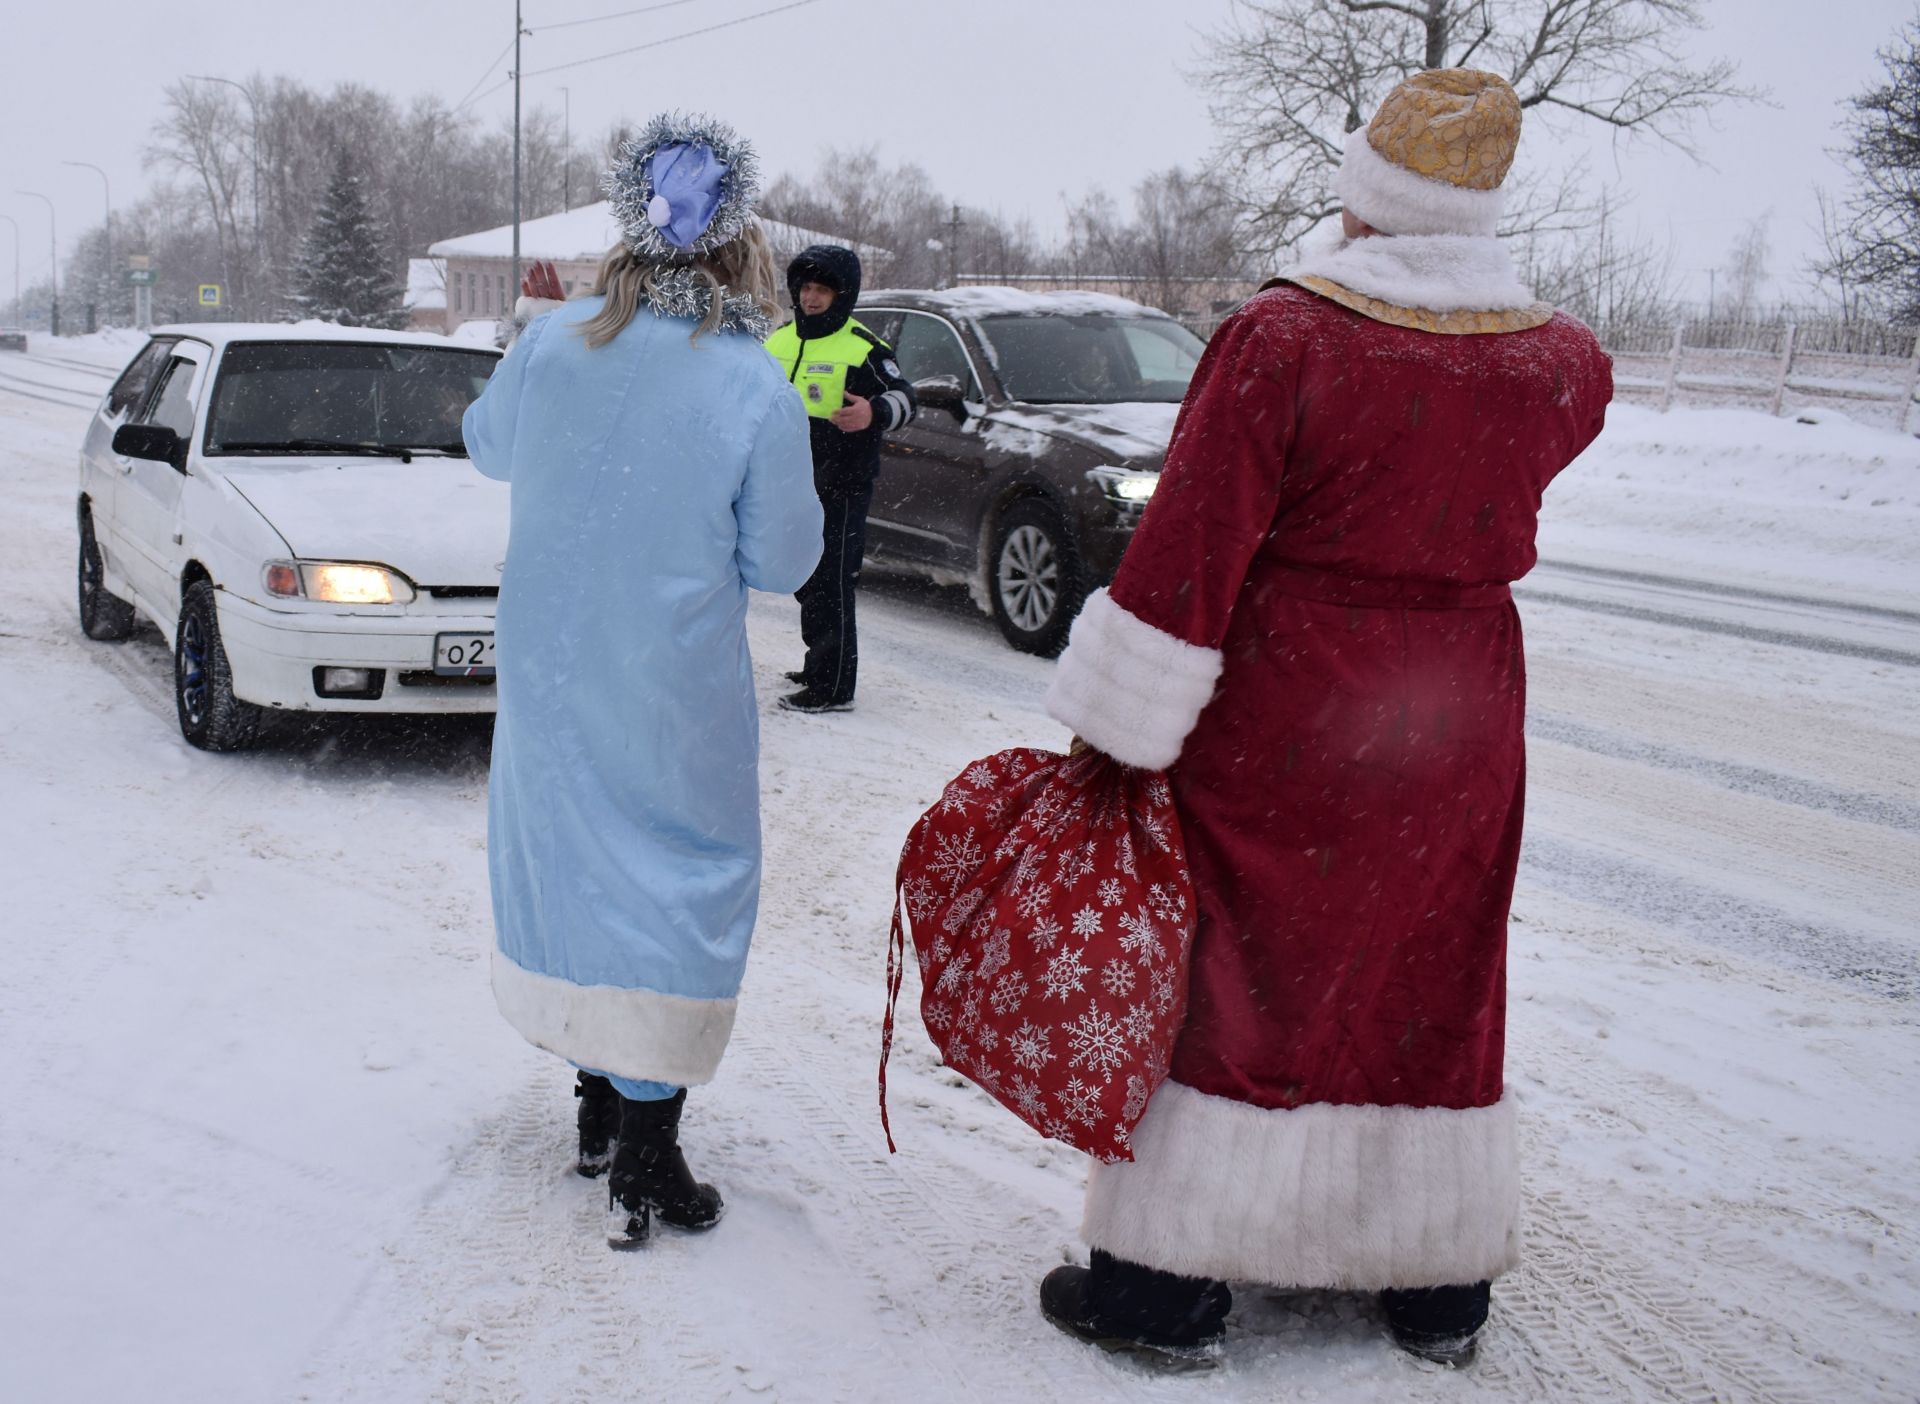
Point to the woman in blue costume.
(659, 468)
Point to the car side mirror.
(942, 392)
(152, 441)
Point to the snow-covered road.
(263, 1136)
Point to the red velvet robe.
(1343, 506)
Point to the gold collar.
(1464, 322)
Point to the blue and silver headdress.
(682, 188)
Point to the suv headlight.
(336, 582)
(1127, 487)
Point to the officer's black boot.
(599, 1122)
(1124, 1307)
(650, 1175)
(1438, 1323)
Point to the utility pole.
(513, 287)
(112, 284)
(566, 150)
(16, 265)
(53, 251)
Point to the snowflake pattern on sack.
(1051, 911)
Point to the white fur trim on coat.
(639, 1034)
(1130, 689)
(1395, 200)
(1323, 1196)
(1438, 273)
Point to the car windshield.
(350, 397)
(1092, 359)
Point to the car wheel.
(211, 717)
(103, 615)
(1035, 576)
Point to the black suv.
(1043, 421)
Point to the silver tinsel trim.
(680, 292)
(629, 185)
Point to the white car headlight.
(1130, 487)
(336, 582)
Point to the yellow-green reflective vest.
(818, 368)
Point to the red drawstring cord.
(896, 972)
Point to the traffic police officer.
(854, 393)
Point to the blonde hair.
(742, 267)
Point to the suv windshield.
(1092, 359)
(307, 397)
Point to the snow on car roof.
(221, 333)
(989, 301)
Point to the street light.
(53, 248)
(16, 263)
(107, 185)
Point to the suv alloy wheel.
(1035, 577)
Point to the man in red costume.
(1313, 629)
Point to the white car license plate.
(463, 655)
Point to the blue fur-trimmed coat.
(654, 481)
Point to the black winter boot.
(1126, 1308)
(1438, 1323)
(650, 1176)
(599, 1119)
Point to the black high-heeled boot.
(599, 1122)
(650, 1176)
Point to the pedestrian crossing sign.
(209, 294)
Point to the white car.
(293, 506)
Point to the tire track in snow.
(503, 1289)
(1670, 901)
(91, 368)
(1730, 775)
(1641, 1329)
(13, 388)
(1726, 591)
(1786, 638)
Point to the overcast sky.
(1007, 103)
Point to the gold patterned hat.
(1434, 156)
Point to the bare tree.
(1872, 238)
(1290, 78)
(1607, 278)
(1747, 267)
(201, 136)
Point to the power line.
(673, 38)
(485, 73)
(618, 14)
(487, 94)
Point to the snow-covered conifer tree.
(344, 273)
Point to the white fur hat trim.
(1395, 200)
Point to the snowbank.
(1819, 503)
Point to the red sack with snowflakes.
(1050, 907)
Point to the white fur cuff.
(639, 1034)
(1323, 1196)
(1130, 689)
(525, 308)
(1395, 200)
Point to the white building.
(478, 268)
(426, 302)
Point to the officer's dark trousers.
(826, 600)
